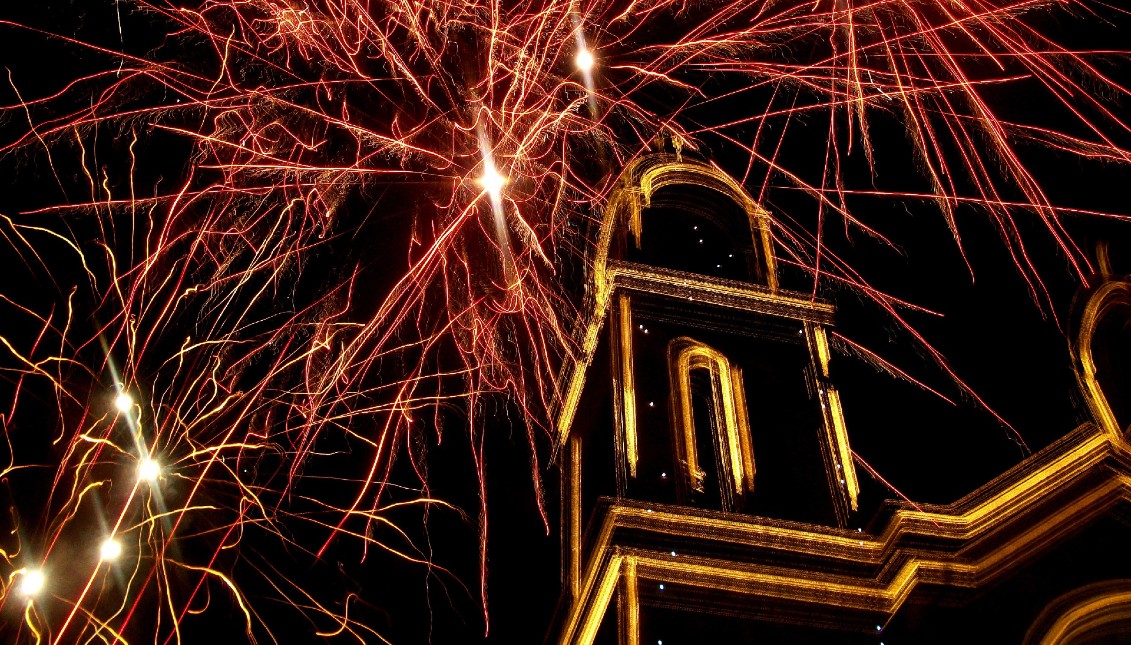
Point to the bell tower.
(701, 398)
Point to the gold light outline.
(575, 515)
(626, 204)
(626, 407)
(628, 606)
(982, 519)
(837, 446)
(1107, 297)
(647, 174)
(635, 278)
(732, 434)
(1089, 608)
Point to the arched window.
(711, 423)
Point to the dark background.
(1013, 351)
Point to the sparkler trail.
(371, 244)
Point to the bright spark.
(584, 60)
(110, 549)
(32, 582)
(124, 402)
(492, 182)
(148, 470)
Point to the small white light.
(124, 402)
(664, 475)
(661, 587)
(32, 582)
(673, 554)
(731, 255)
(879, 628)
(584, 60)
(700, 241)
(110, 550)
(148, 470)
(651, 404)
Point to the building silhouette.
(709, 487)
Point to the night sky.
(1004, 339)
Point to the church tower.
(708, 488)
(702, 397)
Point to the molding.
(965, 545)
(630, 278)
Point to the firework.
(296, 242)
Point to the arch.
(730, 421)
(1084, 615)
(651, 173)
(1110, 301)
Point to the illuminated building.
(710, 493)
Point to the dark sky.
(1011, 350)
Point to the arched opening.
(696, 229)
(712, 427)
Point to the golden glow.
(840, 440)
(1111, 295)
(841, 468)
(627, 406)
(821, 341)
(575, 514)
(628, 605)
(742, 428)
(600, 600)
(733, 430)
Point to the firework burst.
(293, 241)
